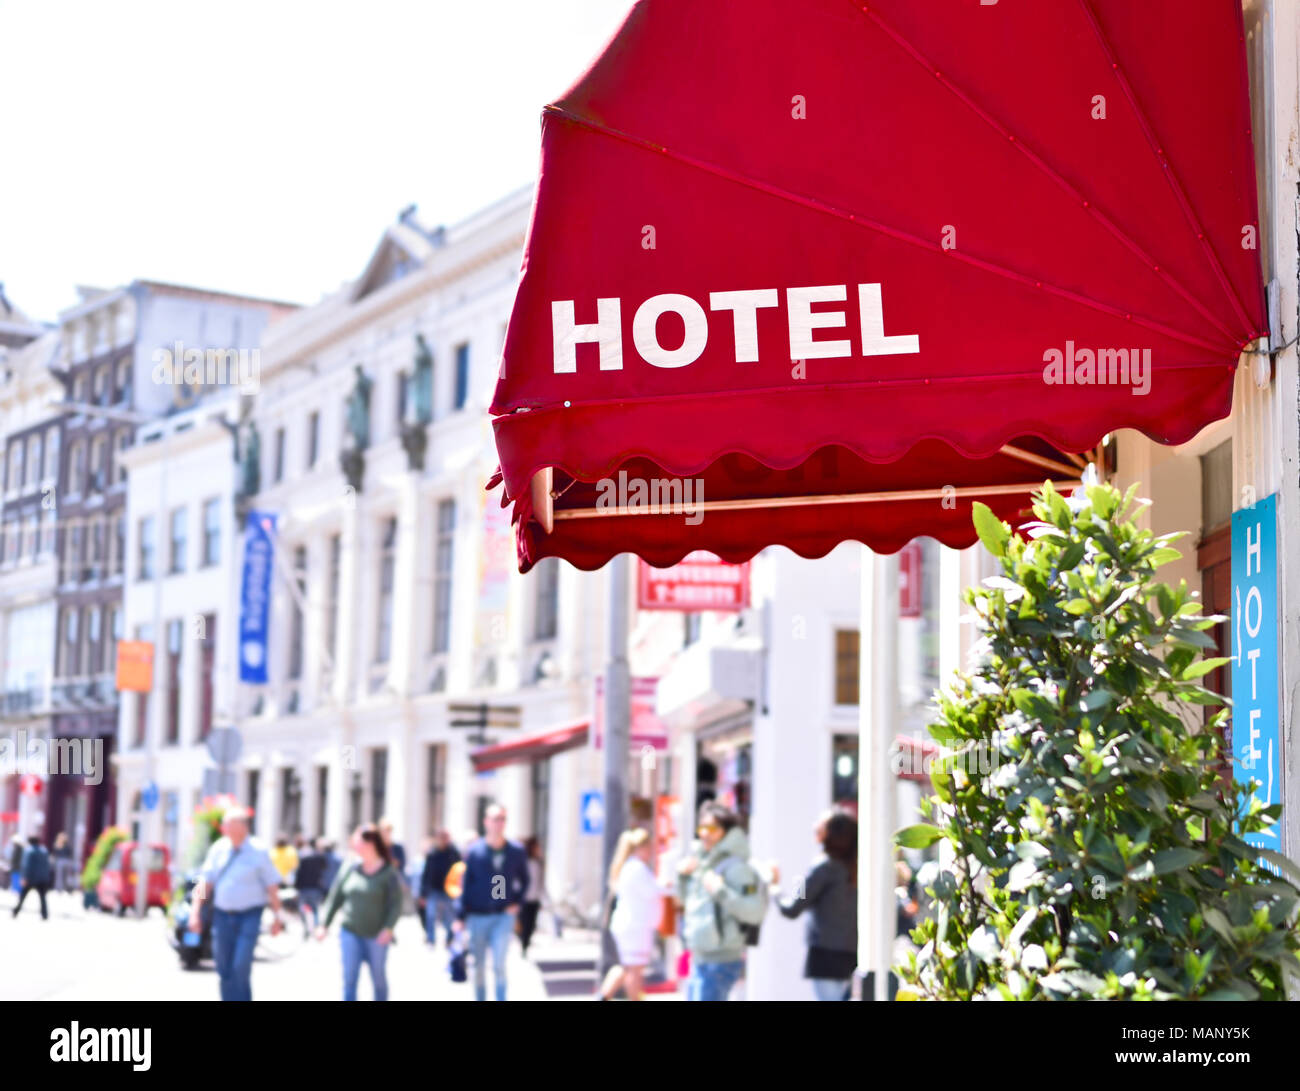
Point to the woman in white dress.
(638, 909)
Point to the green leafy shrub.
(109, 838)
(1092, 850)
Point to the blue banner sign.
(1256, 744)
(255, 596)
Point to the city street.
(78, 955)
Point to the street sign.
(592, 811)
(700, 581)
(135, 665)
(149, 796)
(225, 745)
(1256, 744)
(219, 782)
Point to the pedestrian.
(536, 892)
(368, 892)
(285, 858)
(438, 905)
(64, 871)
(721, 893)
(239, 877)
(828, 894)
(17, 846)
(396, 852)
(332, 863)
(638, 909)
(37, 872)
(495, 884)
(309, 881)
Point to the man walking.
(241, 881)
(495, 882)
(36, 874)
(438, 908)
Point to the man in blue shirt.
(36, 873)
(494, 885)
(241, 881)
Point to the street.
(78, 955)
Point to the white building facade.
(396, 591)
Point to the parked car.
(116, 889)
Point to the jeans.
(490, 930)
(357, 949)
(827, 988)
(438, 910)
(712, 980)
(234, 935)
(40, 889)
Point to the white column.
(348, 624)
(878, 716)
(404, 644)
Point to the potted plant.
(1090, 845)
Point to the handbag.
(456, 960)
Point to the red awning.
(553, 741)
(876, 253)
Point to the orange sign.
(135, 665)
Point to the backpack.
(36, 866)
(749, 931)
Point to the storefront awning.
(537, 747)
(848, 267)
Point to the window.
(15, 465)
(33, 461)
(98, 480)
(49, 531)
(79, 390)
(296, 620)
(332, 606)
(211, 532)
(103, 387)
(71, 643)
(172, 683)
(73, 553)
(31, 535)
(462, 376)
(96, 545)
(144, 570)
(94, 634)
(118, 546)
(207, 662)
(846, 666)
(378, 782)
(387, 563)
(176, 547)
(124, 381)
(313, 439)
(442, 576)
(546, 604)
(278, 457)
(76, 469)
(144, 633)
(436, 793)
(51, 471)
(123, 442)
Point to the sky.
(262, 147)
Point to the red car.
(116, 887)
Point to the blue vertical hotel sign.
(1256, 745)
(255, 596)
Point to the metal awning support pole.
(877, 809)
(618, 716)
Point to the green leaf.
(1176, 860)
(1196, 670)
(1163, 556)
(920, 836)
(991, 530)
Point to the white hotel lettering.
(802, 321)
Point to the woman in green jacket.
(368, 892)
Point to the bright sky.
(262, 146)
